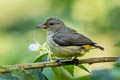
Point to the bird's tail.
(100, 47)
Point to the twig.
(55, 64)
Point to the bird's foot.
(76, 61)
(59, 60)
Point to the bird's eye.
(51, 23)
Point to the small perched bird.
(64, 41)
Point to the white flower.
(42, 49)
(34, 47)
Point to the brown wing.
(71, 39)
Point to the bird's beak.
(42, 26)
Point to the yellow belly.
(71, 51)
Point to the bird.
(66, 42)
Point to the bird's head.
(52, 24)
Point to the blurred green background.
(98, 19)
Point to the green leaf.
(38, 73)
(42, 58)
(117, 65)
(118, 61)
(70, 69)
(83, 67)
(101, 75)
(49, 73)
(3, 77)
(23, 75)
(7, 76)
(61, 74)
(57, 71)
(115, 72)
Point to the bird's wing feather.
(71, 39)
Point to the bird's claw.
(59, 62)
(76, 61)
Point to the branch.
(55, 64)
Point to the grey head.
(52, 25)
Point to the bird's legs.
(75, 61)
(75, 58)
(59, 60)
(63, 59)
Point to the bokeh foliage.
(98, 19)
